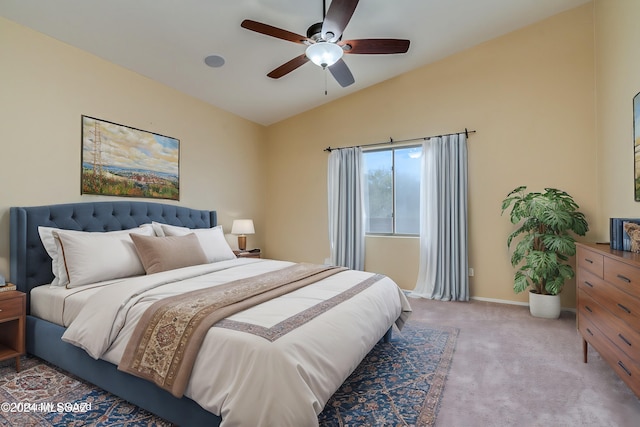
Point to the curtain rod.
(392, 141)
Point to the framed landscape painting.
(636, 145)
(118, 160)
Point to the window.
(392, 190)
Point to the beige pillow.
(168, 253)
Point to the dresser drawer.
(590, 261)
(623, 275)
(618, 302)
(589, 309)
(615, 329)
(594, 336)
(590, 282)
(10, 308)
(624, 367)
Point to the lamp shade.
(324, 54)
(242, 226)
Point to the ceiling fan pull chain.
(324, 70)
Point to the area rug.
(399, 383)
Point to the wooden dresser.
(609, 307)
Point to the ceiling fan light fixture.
(324, 54)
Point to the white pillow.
(157, 228)
(95, 257)
(212, 240)
(52, 246)
(49, 243)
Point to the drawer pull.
(588, 284)
(589, 330)
(588, 309)
(626, 341)
(623, 278)
(624, 368)
(624, 308)
(588, 260)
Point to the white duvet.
(246, 379)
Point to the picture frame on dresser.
(619, 238)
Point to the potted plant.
(544, 244)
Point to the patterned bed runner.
(166, 341)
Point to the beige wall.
(529, 95)
(45, 87)
(618, 76)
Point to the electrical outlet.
(470, 272)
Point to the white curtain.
(443, 272)
(346, 208)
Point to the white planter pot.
(546, 306)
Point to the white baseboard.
(501, 301)
(505, 301)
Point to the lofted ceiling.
(168, 40)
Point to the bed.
(321, 350)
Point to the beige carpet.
(511, 369)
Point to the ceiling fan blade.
(288, 67)
(337, 18)
(272, 31)
(375, 46)
(341, 73)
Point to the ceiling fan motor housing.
(315, 32)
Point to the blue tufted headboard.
(31, 265)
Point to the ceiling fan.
(325, 46)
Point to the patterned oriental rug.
(398, 384)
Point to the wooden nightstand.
(13, 307)
(247, 254)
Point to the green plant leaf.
(562, 244)
(520, 283)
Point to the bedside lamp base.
(242, 242)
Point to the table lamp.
(242, 227)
